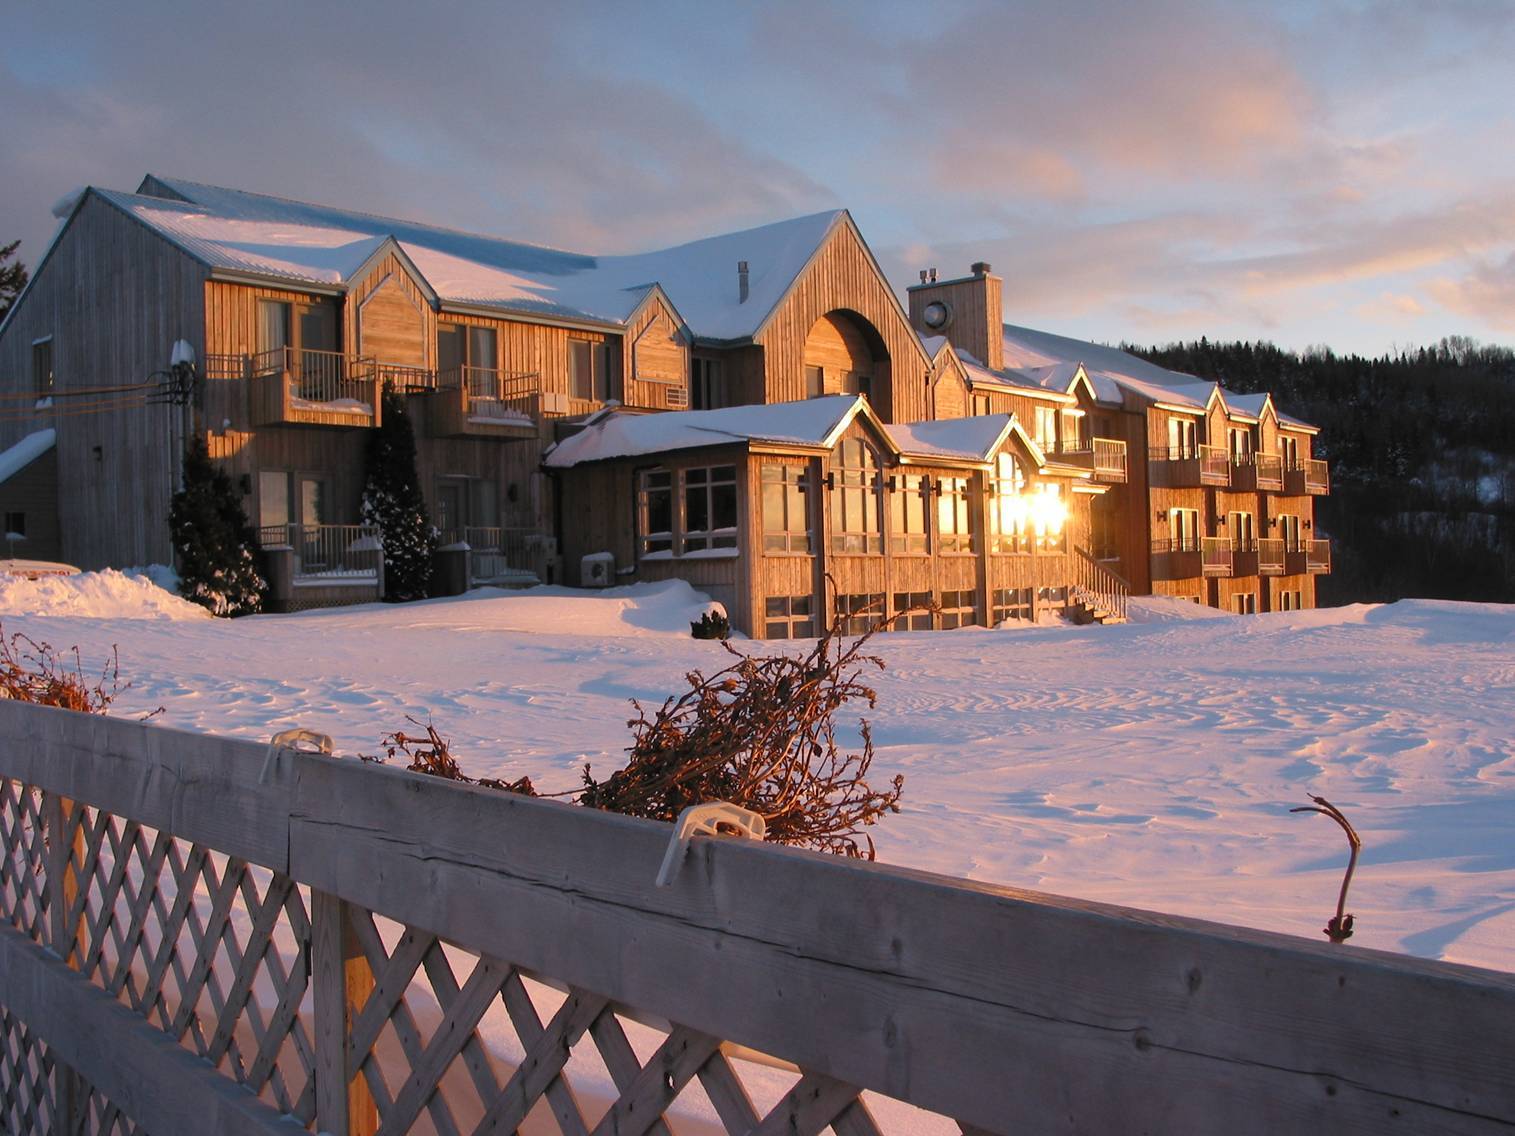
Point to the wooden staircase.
(1098, 593)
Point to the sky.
(1336, 173)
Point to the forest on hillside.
(1422, 451)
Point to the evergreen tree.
(392, 500)
(218, 566)
(12, 277)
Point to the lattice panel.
(28, 1091)
(216, 953)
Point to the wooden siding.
(394, 323)
(975, 315)
(843, 278)
(33, 492)
(114, 296)
(655, 360)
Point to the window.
(1104, 529)
(274, 331)
(1048, 515)
(953, 523)
(42, 368)
(855, 511)
(1007, 507)
(1239, 443)
(789, 617)
(1288, 529)
(273, 505)
(1243, 532)
(15, 526)
(980, 404)
(859, 611)
(708, 389)
(588, 371)
(1288, 451)
(655, 506)
(815, 382)
(1046, 428)
(1183, 530)
(1245, 603)
(959, 609)
(1073, 430)
(786, 508)
(1010, 603)
(1182, 439)
(916, 607)
(709, 508)
(907, 515)
(854, 382)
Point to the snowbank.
(98, 595)
(1168, 609)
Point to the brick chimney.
(966, 310)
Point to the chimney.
(967, 311)
(741, 281)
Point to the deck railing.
(1098, 585)
(506, 555)
(494, 395)
(1317, 477)
(319, 376)
(1270, 471)
(1270, 556)
(1318, 556)
(1214, 465)
(205, 935)
(329, 552)
(1217, 555)
(1109, 459)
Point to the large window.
(1007, 506)
(855, 511)
(1288, 451)
(1183, 530)
(1288, 529)
(1239, 442)
(709, 388)
(860, 610)
(588, 370)
(1183, 438)
(959, 609)
(1049, 515)
(815, 382)
(1009, 603)
(655, 506)
(789, 617)
(907, 515)
(42, 368)
(912, 611)
(709, 508)
(954, 523)
(786, 508)
(1046, 428)
(1243, 532)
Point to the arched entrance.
(845, 354)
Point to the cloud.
(1486, 294)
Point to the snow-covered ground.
(1152, 764)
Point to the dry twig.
(1339, 929)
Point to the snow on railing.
(329, 552)
(506, 555)
(200, 934)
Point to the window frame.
(950, 614)
(793, 482)
(864, 483)
(714, 538)
(955, 494)
(794, 624)
(903, 539)
(598, 354)
(1007, 471)
(44, 347)
(650, 541)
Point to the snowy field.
(1151, 765)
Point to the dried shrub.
(762, 734)
(430, 753)
(35, 672)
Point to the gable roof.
(976, 438)
(17, 457)
(813, 423)
(257, 234)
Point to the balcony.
(1308, 477)
(1318, 556)
(1217, 556)
(1270, 557)
(507, 557)
(481, 402)
(1176, 559)
(1257, 472)
(1105, 458)
(1186, 468)
(313, 388)
(1244, 557)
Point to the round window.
(936, 315)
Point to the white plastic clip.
(715, 818)
(298, 740)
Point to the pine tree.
(218, 566)
(392, 500)
(13, 277)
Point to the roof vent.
(741, 281)
(923, 276)
(933, 276)
(981, 268)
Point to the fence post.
(65, 936)
(342, 982)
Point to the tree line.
(1422, 450)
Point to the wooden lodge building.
(754, 412)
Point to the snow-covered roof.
(271, 236)
(24, 452)
(813, 422)
(965, 439)
(1018, 382)
(1248, 404)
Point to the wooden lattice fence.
(197, 938)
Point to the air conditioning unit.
(597, 570)
(676, 398)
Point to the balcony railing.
(406, 378)
(1270, 556)
(334, 553)
(1177, 558)
(1188, 467)
(1256, 471)
(1318, 556)
(506, 556)
(1312, 477)
(1243, 555)
(1109, 459)
(1216, 555)
(487, 401)
(315, 387)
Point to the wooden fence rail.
(196, 936)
